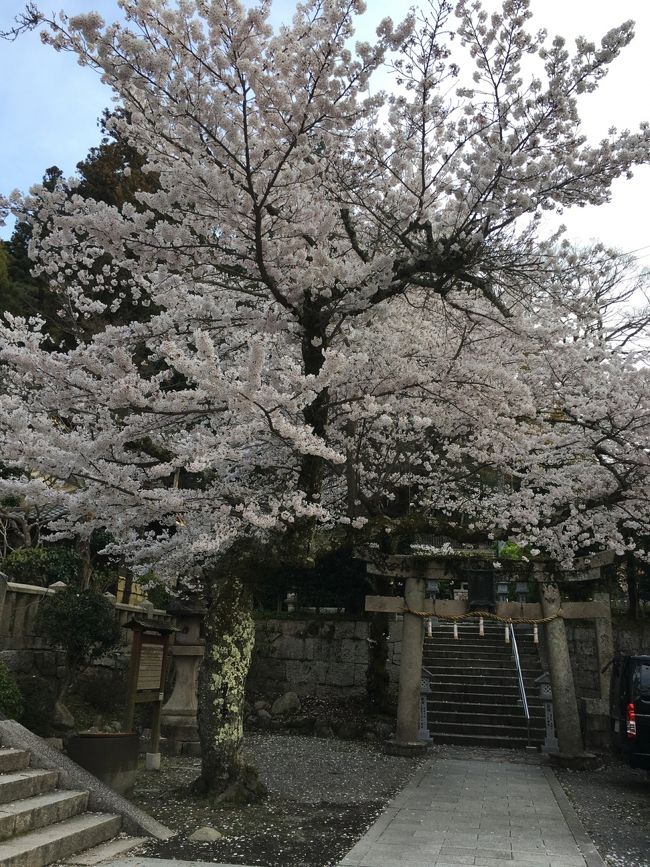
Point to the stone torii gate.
(415, 570)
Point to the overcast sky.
(49, 105)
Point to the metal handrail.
(520, 678)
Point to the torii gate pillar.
(410, 674)
(565, 705)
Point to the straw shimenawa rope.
(486, 615)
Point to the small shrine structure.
(484, 570)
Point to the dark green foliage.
(4, 269)
(157, 591)
(22, 294)
(42, 566)
(81, 623)
(11, 700)
(336, 580)
(39, 695)
(112, 172)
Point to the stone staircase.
(40, 823)
(475, 696)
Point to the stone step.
(522, 632)
(478, 693)
(20, 817)
(515, 717)
(47, 845)
(490, 627)
(465, 679)
(491, 740)
(493, 640)
(13, 760)
(473, 706)
(474, 643)
(486, 682)
(476, 714)
(25, 784)
(482, 692)
(500, 727)
(105, 851)
(473, 639)
(476, 665)
(476, 652)
(447, 651)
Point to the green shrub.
(11, 700)
(42, 566)
(81, 623)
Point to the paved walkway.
(490, 814)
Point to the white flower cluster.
(340, 298)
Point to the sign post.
(147, 673)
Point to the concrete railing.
(19, 604)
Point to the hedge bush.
(11, 700)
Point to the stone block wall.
(581, 636)
(38, 674)
(315, 656)
(631, 636)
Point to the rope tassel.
(455, 631)
(481, 629)
(535, 634)
(507, 635)
(429, 628)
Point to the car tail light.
(631, 721)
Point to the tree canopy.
(297, 225)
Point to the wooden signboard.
(147, 673)
(150, 670)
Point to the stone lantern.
(550, 744)
(179, 723)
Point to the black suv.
(630, 709)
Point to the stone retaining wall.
(581, 636)
(316, 656)
(630, 637)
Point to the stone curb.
(162, 862)
(584, 842)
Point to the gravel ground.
(613, 804)
(323, 795)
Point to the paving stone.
(469, 812)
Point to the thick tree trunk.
(229, 639)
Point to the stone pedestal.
(179, 724)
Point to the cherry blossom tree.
(332, 278)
